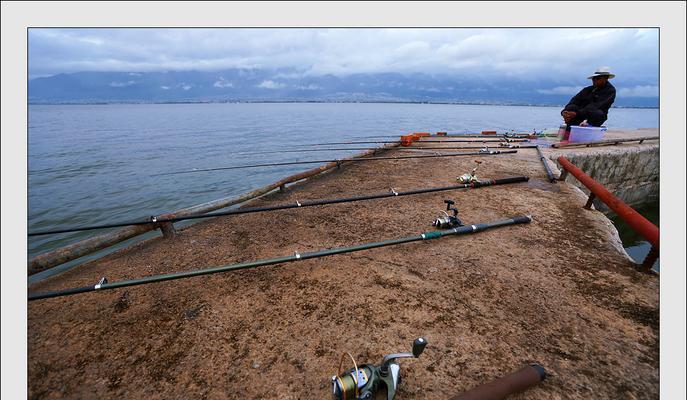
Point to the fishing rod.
(338, 161)
(457, 135)
(323, 202)
(609, 142)
(397, 141)
(469, 135)
(518, 146)
(356, 148)
(482, 149)
(549, 174)
(435, 152)
(103, 284)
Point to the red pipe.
(635, 220)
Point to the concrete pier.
(629, 170)
(559, 291)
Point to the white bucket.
(586, 133)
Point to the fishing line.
(490, 153)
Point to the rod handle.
(500, 388)
(514, 179)
(522, 219)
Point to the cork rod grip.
(500, 388)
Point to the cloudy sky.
(525, 54)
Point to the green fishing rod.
(103, 284)
(338, 161)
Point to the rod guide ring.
(101, 282)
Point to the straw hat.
(602, 71)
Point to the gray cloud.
(561, 90)
(525, 54)
(639, 91)
(633, 91)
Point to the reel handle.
(449, 203)
(419, 346)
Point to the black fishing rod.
(103, 284)
(466, 135)
(355, 148)
(324, 202)
(483, 149)
(455, 135)
(397, 141)
(518, 146)
(552, 178)
(490, 153)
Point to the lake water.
(94, 164)
(635, 245)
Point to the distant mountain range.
(255, 85)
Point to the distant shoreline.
(98, 103)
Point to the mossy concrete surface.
(558, 291)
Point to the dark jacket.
(592, 102)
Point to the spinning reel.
(471, 177)
(361, 383)
(447, 221)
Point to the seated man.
(592, 103)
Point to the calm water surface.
(93, 164)
(635, 245)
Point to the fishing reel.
(470, 177)
(362, 383)
(447, 221)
